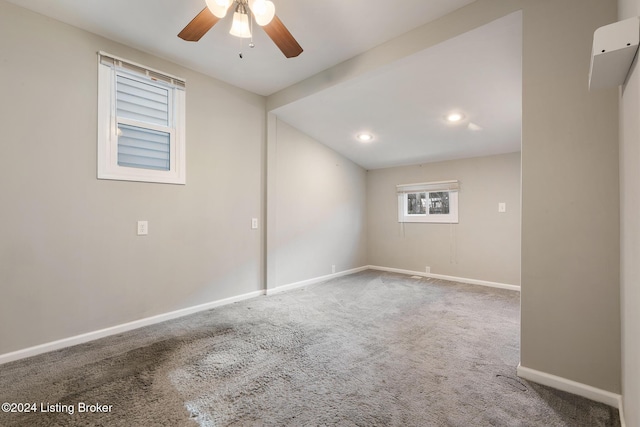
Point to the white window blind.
(452, 185)
(114, 61)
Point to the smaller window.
(428, 202)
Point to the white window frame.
(109, 67)
(451, 187)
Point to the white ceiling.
(402, 104)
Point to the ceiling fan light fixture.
(219, 7)
(263, 11)
(240, 24)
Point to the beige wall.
(630, 232)
(484, 245)
(70, 260)
(318, 209)
(570, 311)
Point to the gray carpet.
(370, 349)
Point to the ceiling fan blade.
(199, 26)
(282, 38)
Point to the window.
(141, 123)
(428, 202)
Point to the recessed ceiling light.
(364, 137)
(454, 117)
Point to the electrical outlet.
(333, 269)
(254, 223)
(427, 269)
(143, 228)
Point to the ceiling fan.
(263, 12)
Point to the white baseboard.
(573, 387)
(450, 278)
(91, 336)
(621, 409)
(319, 279)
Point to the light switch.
(502, 207)
(254, 223)
(143, 228)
